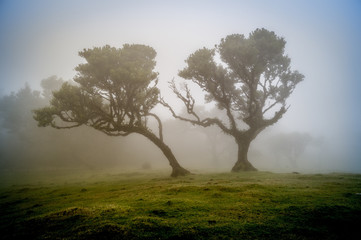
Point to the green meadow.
(152, 205)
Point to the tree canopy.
(249, 78)
(115, 91)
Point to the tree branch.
(271, 106)
(277, 116)
(188, 100)
(160, 127)
(204, 123)
(52, 124)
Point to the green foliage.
(44, 116)
(253, 77)
(249, 78)
(257, 205)
(113, 92)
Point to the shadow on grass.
(331, 222)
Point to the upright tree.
(115, 93)
(249, 78)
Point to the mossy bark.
(242, 163)
(177, 169)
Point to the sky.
(42, 38)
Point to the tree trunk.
(242, 163)
(178, 170)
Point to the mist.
(319, 133)
(26, 147)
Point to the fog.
(319, 133)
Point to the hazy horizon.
(39, 39)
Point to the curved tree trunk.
(177, 169)
(242, 163)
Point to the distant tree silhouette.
(17, 125)
(49, 85)
(115, 93)
(251, 84)
(291, 146)
(13, 108)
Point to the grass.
(251, 205)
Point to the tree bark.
(177, 169)
(242, 163)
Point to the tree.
(14, 125)
(248, 78)
(13, 109)
(50, 85)
(291, 146)
(116, 91)
(25, 146)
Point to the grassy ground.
(258, 205)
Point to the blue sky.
(42, 38)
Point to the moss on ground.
(251, 205)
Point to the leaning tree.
(248, 78)
(115, 92)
